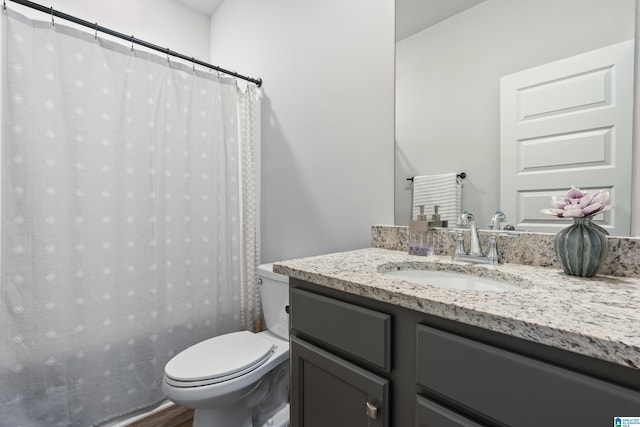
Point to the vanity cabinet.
(332, 385)
(425, 371)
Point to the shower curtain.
(129, 220)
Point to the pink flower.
(576, 204)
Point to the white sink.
(450, 280)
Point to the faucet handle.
(493, 249)
(460, 244)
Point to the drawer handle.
(372, 411)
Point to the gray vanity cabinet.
(425, 371)
(331, 347)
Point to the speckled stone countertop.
(597, 317)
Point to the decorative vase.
(581, 248)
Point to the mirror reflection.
(448, 83)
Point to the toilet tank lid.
(266, 271)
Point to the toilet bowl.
(238, 379)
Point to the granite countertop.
(597, 317)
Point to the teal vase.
(581, 248)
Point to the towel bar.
(461, 175)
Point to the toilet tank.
(274, 289)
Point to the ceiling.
(412, 16)
(206, 7)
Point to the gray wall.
(328, 125)
(447, 91)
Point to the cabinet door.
(430, 414)
(329, 391)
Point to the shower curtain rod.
(132, 39)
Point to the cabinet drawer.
(360, 332)
(513, 389)
(430, 414)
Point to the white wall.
(447, 89)
(328, 125)
(161, 22)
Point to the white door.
(563, 124)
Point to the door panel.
(568, 123)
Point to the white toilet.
(238, 379)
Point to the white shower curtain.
(129, 221)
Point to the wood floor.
(174, 416)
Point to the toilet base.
(238, 416)
(263, 404)
(231, 415)
(279, 419)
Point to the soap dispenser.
(420, 236)
(435, 219)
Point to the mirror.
(447, 84)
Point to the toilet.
(239, 379)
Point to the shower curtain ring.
(168, 50)
(52, 21)
(132, 42)
(95, 35)
(193, 63)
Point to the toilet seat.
(218, 359)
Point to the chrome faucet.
(497, 218)
(475, 252)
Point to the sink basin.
(451, 280)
